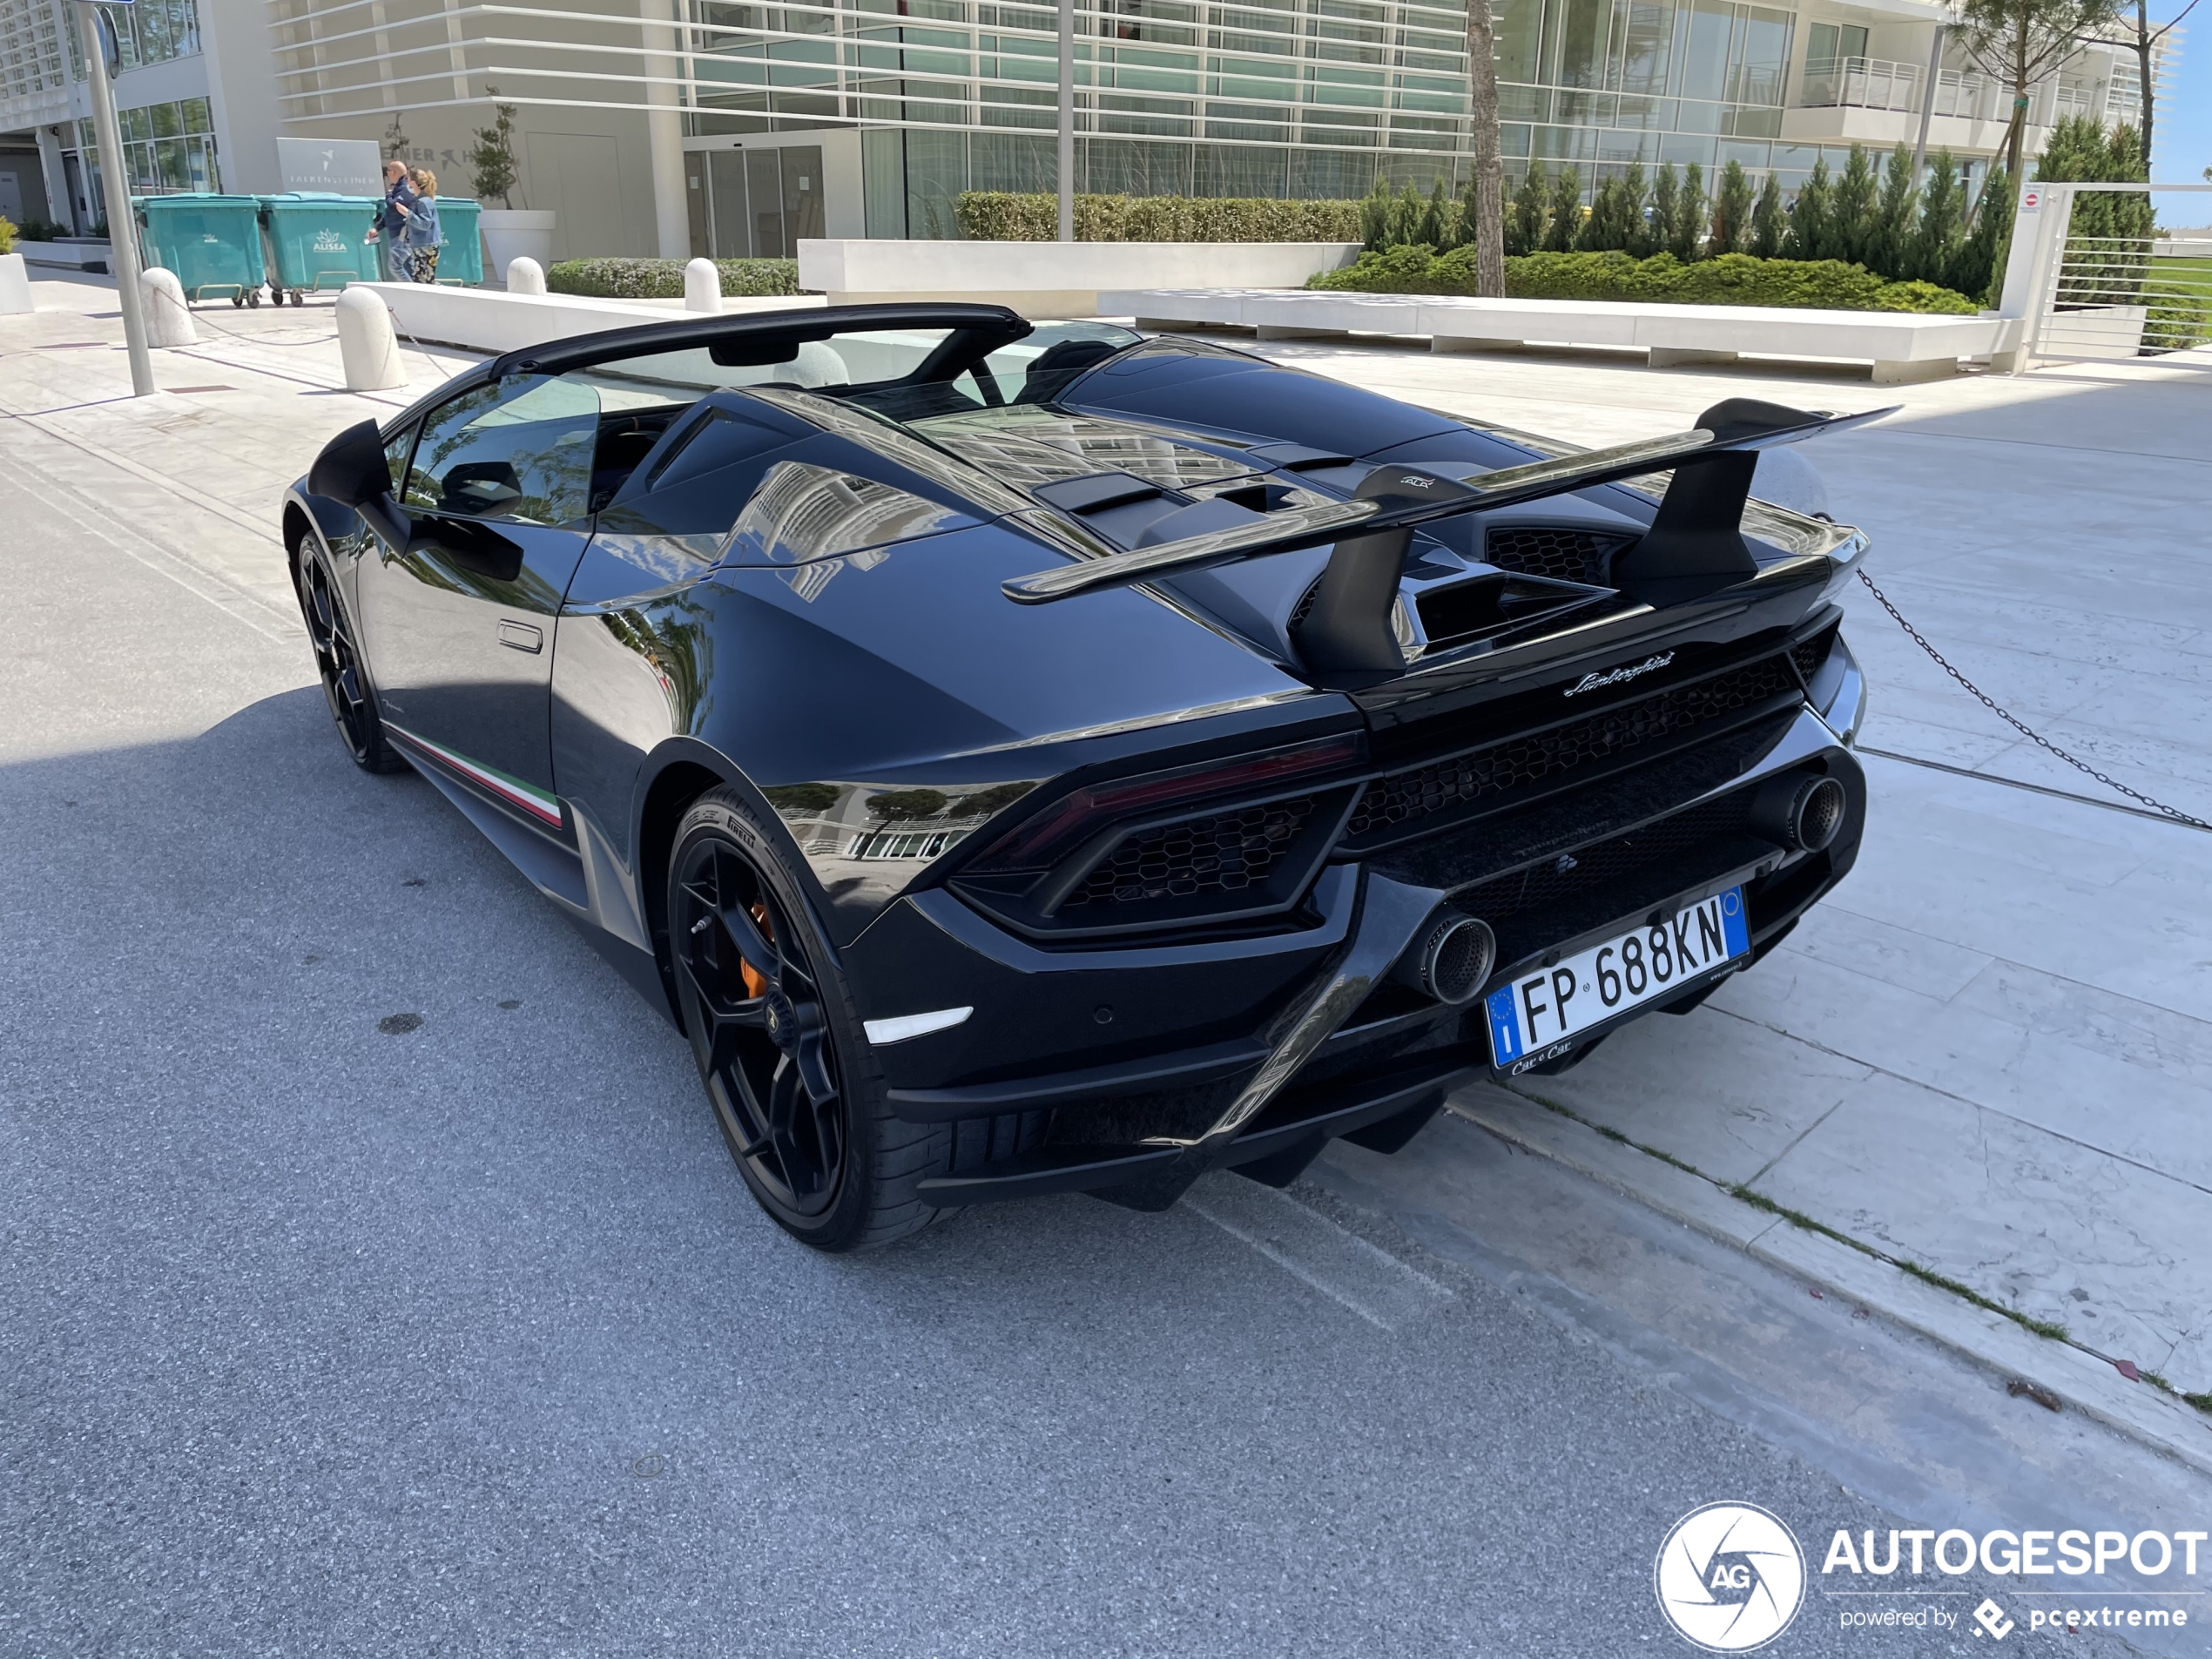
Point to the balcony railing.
(1877, 84)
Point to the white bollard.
(368, 344)
(525, 275)
(702, 287)
(15, 286)
(168, 318)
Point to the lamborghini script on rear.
(1025, 759)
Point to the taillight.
(1064, 825)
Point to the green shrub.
(41, 230)
(663, 278)
(7, 234)
(1008, 216)
(1731, 279)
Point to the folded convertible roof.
(754, 330)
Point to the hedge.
(1005, 216)
(663, 278)
(1733, 279)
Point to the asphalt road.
(468, 1339)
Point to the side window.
(518, 449)
(395, 453)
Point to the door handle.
(521, 637)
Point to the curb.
(2091, 1386)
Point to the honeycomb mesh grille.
(1406, 796)
(1564, 554)
(1810, 654)
(1228, 852)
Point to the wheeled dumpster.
(318, 241)
(461, 258)
(212, 243)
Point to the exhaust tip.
(1452, 960)
(1803, 814)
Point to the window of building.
(168, 149)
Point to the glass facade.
(168, 149)
(1258, 98)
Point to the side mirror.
(351, 468)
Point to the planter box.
(1050, 279)
(2094, 331)
(512, 234)
(74, 255)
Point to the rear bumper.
(1140, 1129)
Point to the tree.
(1886, 248)
(1666, 207)
(1633, 192)
(1524, 234)
(1851, 217)
(1769, 223)
(1979, 268)
(2144, 41)
(395, 140)
(1732, 210)
(1489, 161)
(1932, 250)
(2018, 42)
(493, 156)
(2107, 249)
(1614, 216)
(1436, 213)
(1687, 242)
(1566, 227)
(1808, 233)
(1374, 216)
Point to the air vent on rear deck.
(1564, 552)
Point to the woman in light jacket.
(422, 239)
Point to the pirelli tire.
(788, 1070)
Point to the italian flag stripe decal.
(537, 803)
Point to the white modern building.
(715, 125)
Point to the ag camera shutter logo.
(1730, 1577)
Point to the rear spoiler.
(1694, 544)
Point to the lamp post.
(1067, 120)
(122, 237)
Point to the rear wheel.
(788, 1069)
(338, 663)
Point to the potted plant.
(511, 232)
(15, 279)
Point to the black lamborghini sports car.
(1024, 758)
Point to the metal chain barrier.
(2006, 716)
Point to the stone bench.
(1901, 346)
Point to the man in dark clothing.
(391, 223)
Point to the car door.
(496, 500)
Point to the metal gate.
(2091, 298)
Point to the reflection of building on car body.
(1041, 758)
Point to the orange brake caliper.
(754, 984)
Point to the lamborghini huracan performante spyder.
(1025, 759)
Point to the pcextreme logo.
(1730, 1577)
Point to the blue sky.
(2183, 133)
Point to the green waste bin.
(319, 241)
(212, 243)
(461, 258)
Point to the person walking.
(423, 238)
(389, 227)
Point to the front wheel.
(778, 1043)
(338, 664)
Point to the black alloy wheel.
(338, 662)
(754, 1008)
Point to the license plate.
(1543, 1008)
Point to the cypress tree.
(1810, 216)
(1887, 249)
(1566, 225)
(1374, 216)
(1666, 203)
(1979, 268)
(1639, 242)
(1429, 230)
(1525, 222)
(1935, 240)
(1850, 221)
(1770, 225)
(1732, 210)
(1688, 244)
(1405, 217)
